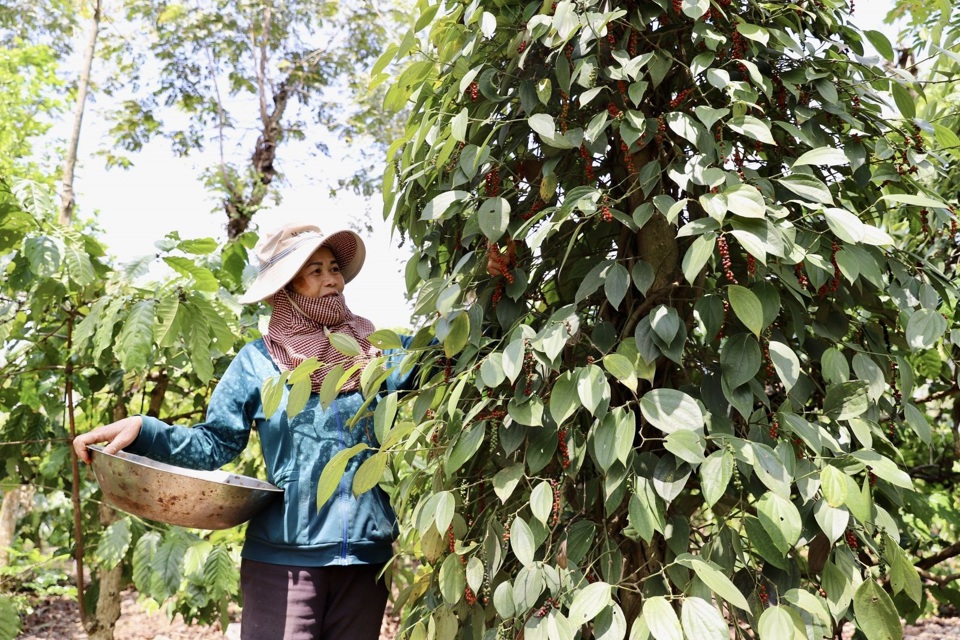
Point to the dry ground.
(58, 619)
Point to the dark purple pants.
(311, 603)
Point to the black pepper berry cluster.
(562, 446)
(492, 183)
(587, 163)
(725, 259)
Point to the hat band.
(309, 235)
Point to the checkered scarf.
(298, 331)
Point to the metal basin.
(177, 495)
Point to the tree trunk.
(101, 624)
(104, 619)
(66, 188)
(9, 514)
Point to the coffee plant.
(692, 299)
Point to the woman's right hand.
(117, 434)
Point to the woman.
(306, 574)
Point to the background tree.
(247, 78)
(681, 409)
(120, 343)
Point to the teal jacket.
(288, 531)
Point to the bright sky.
(162, 193)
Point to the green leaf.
(745, 201)
(167, 564)
(494, 216)
(610, 624)
(135, 341)
(776, 624)
(593, 280)
(563, 398)
(369, 473)
(906, 101)
(458, 126)
(833, 484)
(785, 363)
(299, 395)
(522, 541)
(750, 126)
(905, 577)
(807, 187)
(694, 9)
(689, 446)
(456, 340)
(697, 256)
(740, 359)
(616, 283)
(331, 386)
(715, 474)
(702, 621)
(503, 600)
(468, 443)
(513, 359)
(914, 200)
(754, 32)
(876, 615)
(452, 580)
(588, 602)
(662, 619)
(43, 255)
(9, 619)
(592, 387)
(770, 469)
(506, 480)
(880, 43)
(78, 264)
(384, 415)
(271, 393)
(844, 225)
(114, 543)
(203, 278)
(385, 339)
(824, 157)
(541, 501)
(622, 369)
(925, 328)
(846, 400)
(713, 577)
(345, 344)
(646, 510)
(884, 468)
(747, 307)
(670, 410)
(780, 519)
(443, 506)
(437, 208)
(918, 422)
(333, 472)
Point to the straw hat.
(282, 252)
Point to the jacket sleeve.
(221, 437)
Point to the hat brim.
(347, 247)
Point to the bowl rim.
(218, 477)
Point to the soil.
(57, 618)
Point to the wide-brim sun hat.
(282, 252)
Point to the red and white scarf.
(298, 331)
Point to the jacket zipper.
(340, 491)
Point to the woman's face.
(320, 276)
